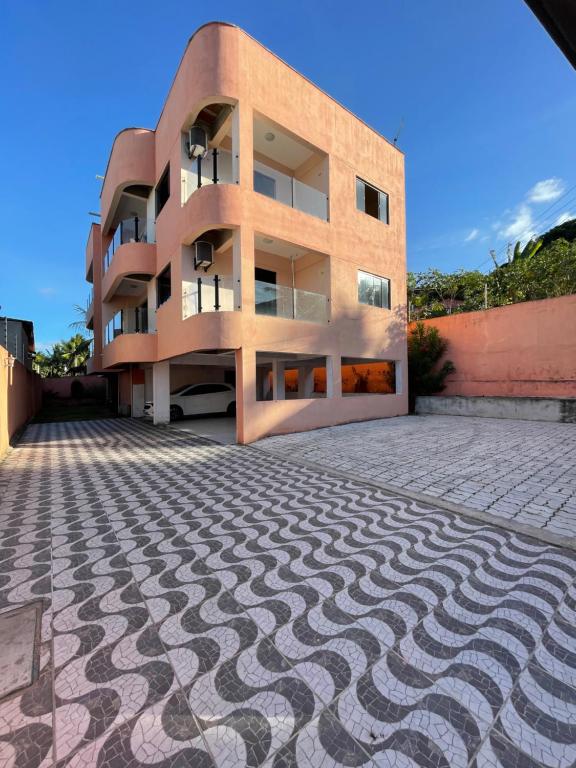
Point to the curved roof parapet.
(132, 161)
(308, 80)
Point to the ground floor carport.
(276, 391)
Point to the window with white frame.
(373, 290)
(371, 200)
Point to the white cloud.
(566, 216)
(521, 226)
(47, 291)
(521, 223)
(472, 236)
(546, 190)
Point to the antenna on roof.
(398, 132)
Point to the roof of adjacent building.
(27, 325)
(559, 19)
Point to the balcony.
(127, 321)
(290, 191)
(289, 169)
(290, 280)
(208, 294)
(290, 303)
(132, 230)
(215, 168)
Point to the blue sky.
(488, 104)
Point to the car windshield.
(180, 389)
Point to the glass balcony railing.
(291, 303)
(208, 294)
(133, 230)
(214, 168)
(129, 320)
(290, 191)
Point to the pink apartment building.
(253, 244)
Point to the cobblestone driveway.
(518, 470)
(212, 605)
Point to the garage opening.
(203, 394)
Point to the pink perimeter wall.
(20, 398)
(523, 350)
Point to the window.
(163, 286)
(373, 290)
(266, 185)
(163, 190)
(371, 200)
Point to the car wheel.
(176, 413)
(231, 410)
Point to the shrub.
(425, 349)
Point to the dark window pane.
(163, 190)
(266, 185)
(264, 275)
(371, 201)
(163, 286)
(207, 389)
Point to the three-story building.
(255, 239)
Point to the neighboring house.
(559, 19)
(256, 237)
(17, 336)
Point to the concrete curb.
(431, 501)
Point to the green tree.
(425, 350)
(435, 293)
(75, 353)
(66, 358)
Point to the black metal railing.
(132, 230)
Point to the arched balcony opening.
(209, 149)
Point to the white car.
(198, 400)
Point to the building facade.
(17, 338)
(255, 239)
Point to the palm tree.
(80, 324)
(75, 353)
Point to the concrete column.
(161, 392)
(333, 376)
(278, 381)
(245, 393)
(305, 382)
